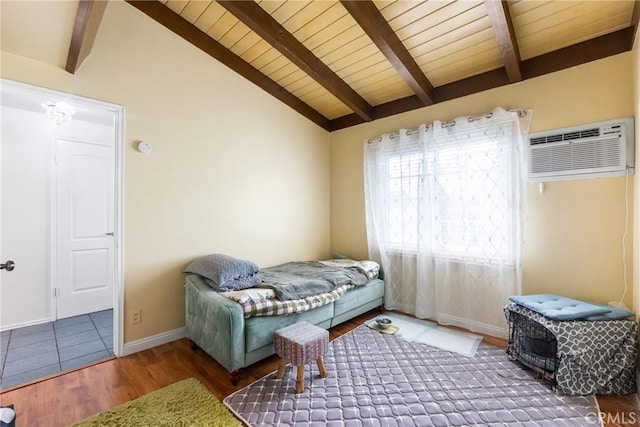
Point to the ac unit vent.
(587, 133)
(595, 150)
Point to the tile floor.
(33, 352)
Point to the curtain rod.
(520, 111)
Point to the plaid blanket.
(275, 307)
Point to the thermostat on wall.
(144, 147)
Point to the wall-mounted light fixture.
(59, 112)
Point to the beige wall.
(575, 227)
(232, 170)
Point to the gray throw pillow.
(225, 273)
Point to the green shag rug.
(185, 403)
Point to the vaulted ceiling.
(344, 62)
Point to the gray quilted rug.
(380, 380)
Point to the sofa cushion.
(359, 296)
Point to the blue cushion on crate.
(614, 314)
(556, 307)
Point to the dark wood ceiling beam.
(577, 54)
(256, 18)
(500, 18)
(473, 84)
(85, 28)
(590, 50)
(458, 89)
(380, 32)
(635, 22)
(174, 22)
(387, 109)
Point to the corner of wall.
(636, 204)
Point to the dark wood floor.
(73, 396)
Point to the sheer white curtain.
(445, 213)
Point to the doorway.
(54, 170)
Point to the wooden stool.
(299, 344)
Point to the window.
(445, 210)
(466, 214)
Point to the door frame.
(118, 113)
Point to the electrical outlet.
(136, 316)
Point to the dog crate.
(533, 345)
(575, 357)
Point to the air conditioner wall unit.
(594, 150)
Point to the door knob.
(9, 266)
(110, 234)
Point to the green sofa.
(217, 325)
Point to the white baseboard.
(154, 341)
(446, 319)
(483, 328)
(24, 324)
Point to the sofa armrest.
(215, 323)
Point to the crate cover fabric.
(594, 357)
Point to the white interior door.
(25, 228)
(84, 267)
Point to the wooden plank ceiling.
(341, 63)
